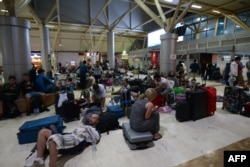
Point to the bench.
(21, 103)
(136, 140)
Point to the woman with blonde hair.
(143, 116)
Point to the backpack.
(107, 121)
(36, 105)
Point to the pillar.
(15, 46)
(45, 47)
(111, 49)
(168, 52)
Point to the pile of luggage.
(196, 104)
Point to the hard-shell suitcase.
(70, 110)
(211, 99)
(183, 112)
(125, 98)
(58, 107)
(198, 103)
(233, 99)
(180, 97)
(29, 130)
(136, 140)
(246, 110)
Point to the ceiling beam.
(98, 14)
(34, 15)
(51, 12)
(10, 6)
(235, 19)
(20, 5)
(118, 20)
(158, 6)
(151, 14)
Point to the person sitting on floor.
(27, 89)
(163, 85)
(72, 142)
(143, 116)
(172, 77)
(125, 86)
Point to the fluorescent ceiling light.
(2, 10)
(196, 6)
(216, 11)
(168, 0)
(50, 26)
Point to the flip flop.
(158, 137)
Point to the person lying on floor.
(72, 142)
(143, 116)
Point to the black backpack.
(36, 105)
(107, 121)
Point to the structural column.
(168, 52)
(45, 47)
(15, 46)
(111, 49)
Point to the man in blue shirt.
(43, 83)
(194, 68)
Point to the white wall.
(67, 57)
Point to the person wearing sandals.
(144, 116)
(67, 143)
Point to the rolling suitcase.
(29, 130)
(182, 111)
(70, 111)
(198, 103)
(59, 102)
(246, 110)
(211, 99)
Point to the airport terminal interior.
(191, 143)
(127, 34)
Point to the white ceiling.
(81, 25)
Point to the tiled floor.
(181, 142)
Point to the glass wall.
(208, 26)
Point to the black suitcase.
(183, 112)
(198, 103)
(70, 111)
(58, 109)
(125, 97)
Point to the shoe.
(159, 136)
(28, 113)
(45, 109)
(37, 164)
